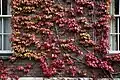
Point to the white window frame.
(112, 12)
(2, 51)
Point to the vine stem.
(85, 49)
(108, 75)
(105, 73)
(78, 60)
(82, 46)
(111, 76)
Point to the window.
(5, 29)
(115, 27)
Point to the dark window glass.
(4, 7)
(116, 6)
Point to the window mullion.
(114, 33)
(1, 7)
(5, 33)
(6, 16)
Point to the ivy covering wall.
(66, 37)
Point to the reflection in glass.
(6, 42)
(7, 27)
(115, 27)
(114, 42)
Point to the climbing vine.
(59, 34)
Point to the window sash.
(4, 34)
(112, 31)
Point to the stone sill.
(62, 78)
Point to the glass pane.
(6, 7)
(0, 25)
(114, 43)
(116, 6)
(0, 42)
(7, 44)
(0, 7)
(7, 27)
(115, 26)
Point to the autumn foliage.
(59, 34)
